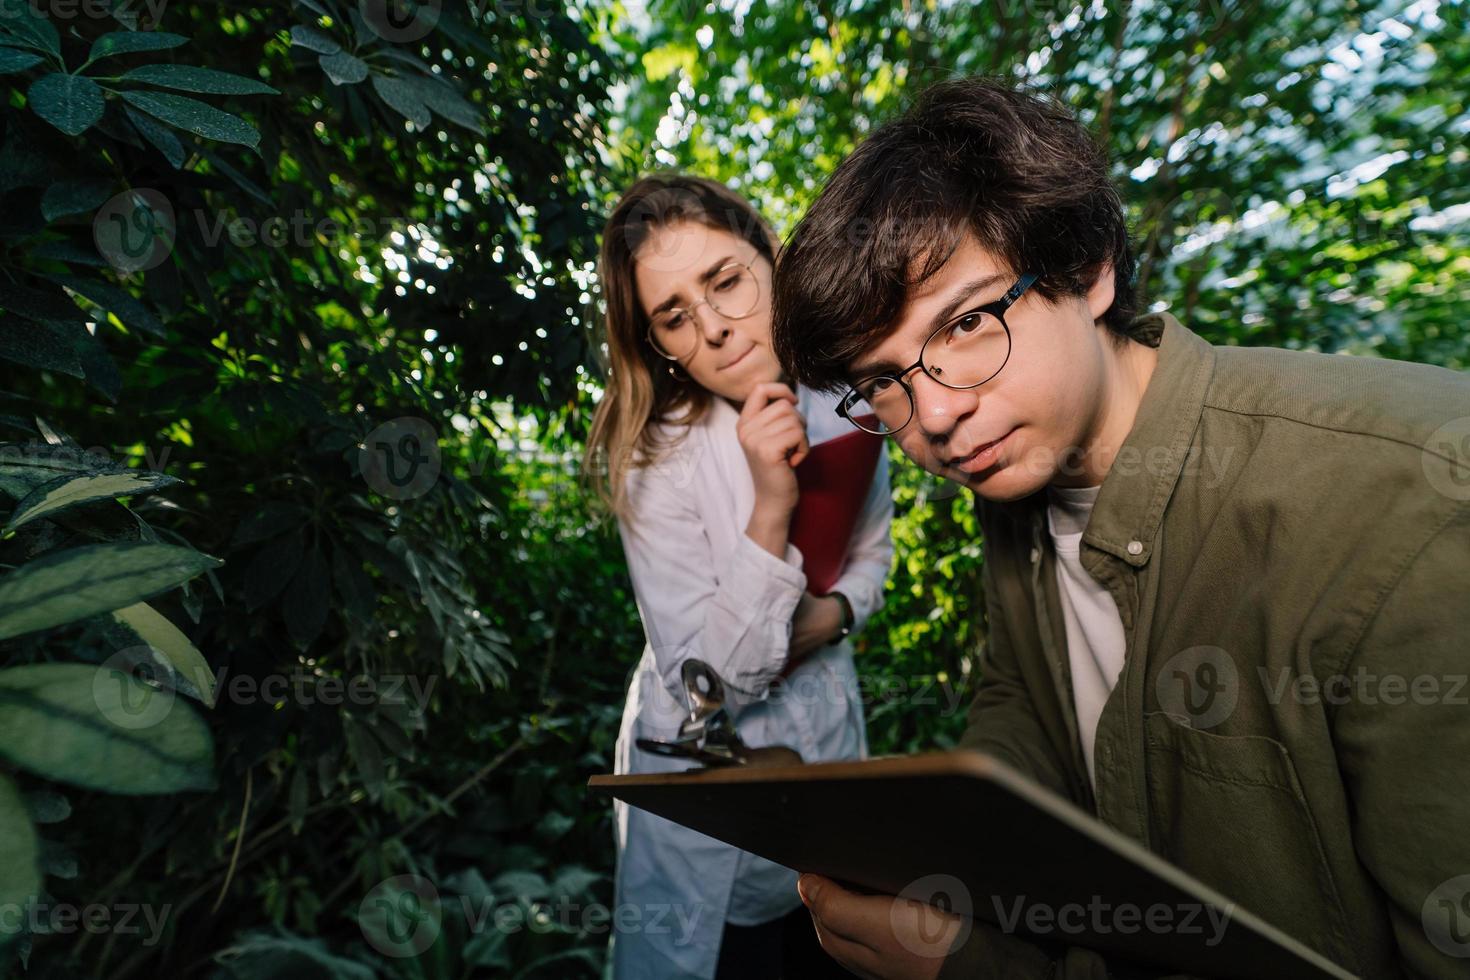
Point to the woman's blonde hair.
(640, 389)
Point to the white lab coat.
(706, 590)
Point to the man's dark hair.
(972, 156)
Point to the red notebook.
(834, 480)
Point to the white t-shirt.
(1095, 641)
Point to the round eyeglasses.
(732, 292)
(965, 352)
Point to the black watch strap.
(849, 620)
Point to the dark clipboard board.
(881, 824)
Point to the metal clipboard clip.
(708, 735)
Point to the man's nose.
(937, 409)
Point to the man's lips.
(979, 458)
(729, 364)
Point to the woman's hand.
(772, 434)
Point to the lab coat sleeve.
(734, 614)
(871, 551)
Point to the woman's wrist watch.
(848, 619)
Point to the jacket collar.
(1130, 505)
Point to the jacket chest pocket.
(1230, 811)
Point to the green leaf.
(443, 99)
(20, 851)
(103, 729)
(353, 584)
(100, 371)
(260, 955)
(188, 671)
(343, 68)
(28, 29)
(162, 138)
(37, 346)
(71, 103)
(185, 78)
(196, 117)
(47, 807)
(119, 302)
(304, 606)
(298, 799)
(402, 98)
(12, 61)
(74, 491)
(67, 197)
(272, 567)
(368, 755)
(64, 586)
(70, 252)
(25, 467)
(131, 42)
(313, 40)
(266, 521)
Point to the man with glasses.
(1226, 588)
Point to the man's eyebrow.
(704, 277)
(962, 295)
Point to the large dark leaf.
(20, 852)
(272, 567)
(37, 346)
(64, 586)
(444, 100)
(402, 98)
(68, 197)
(268, 520)
(71, 103)
(75, 491)
(12, 61)
(313, 40)
(26, 28)
(305, 605)
(119, 302)
(194, 116)
(132, 42)
(25, 467)
(207, 81)
(343, 68)
(353, 584)
(142, 628)
(156, 133)
(100, 728)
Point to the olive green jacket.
(1287, 537)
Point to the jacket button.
(1035, 555)
(1135, 547)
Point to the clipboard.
(883, 824)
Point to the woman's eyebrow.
(704, 277)
(957, 299)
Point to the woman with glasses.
(694, 447)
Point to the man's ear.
(1100, 293)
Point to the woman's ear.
(1100, 293)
